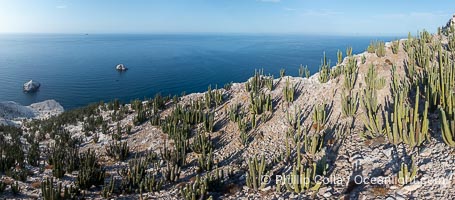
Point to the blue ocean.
(78, 69)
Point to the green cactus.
(244, 136)
(348, 51)
(304, 71)
(407, 173)
(90, 172)
(195, 190)
(205, 160)
(256, 171)
(372, 122)
(172, 173)
(339, 57)
(380, 49)
(118, 150)
(201, 143)
(288, 92)
(324, 70)
(108, 189)
(350, 71)
(349, 104)
(372, 81)
(209, 121)
(282, 72)
(302, 178)
(320, 114)
(447, 127)
(313, 144)
(364, 59)
(395, 46)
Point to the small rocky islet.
(378, 125)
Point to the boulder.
(121, 67)
(31, 86)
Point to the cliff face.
(355, 153)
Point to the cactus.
(282, 72)
(313, 144)
(319, 117)
(339, 57)
(324, 70)
(244, 136)
(269, 83)
(364, 59)
(349, 104)
(172, 173)
(288, 92)
(205, 160)
(256, 171)
(395, 46)
(201, 143)
(372, 81)
(380, 49)
(152, 184)
(303, 178)
(304, 71)
(208, 121)
(350, 73)
(451, 43)
(407, 173)
(235, 113)
(90, 173)
(195, 190)
(447, 127)
(118, 150)
(372, 122)
(348, 51)
(50, 192)
(372, 47)
(108, 189)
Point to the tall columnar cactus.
(350, 71)
(172, 173)
(313, 144)
(118, 150)
(380, 49)
(91, 172)
(407, 173)
(372, 81)
(209, 121)
(196, 190)
(348, 51)
(324, 70)
(339, 57)
(282, 72)
(447, 127)
(405, 124)
(304, 71)
(303, 178)
(201, 143)
(288, 92)
(256, 172)
(205, 160)
(372, 121)
(395, 46)
(349, 104)
(319, 117)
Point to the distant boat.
(31, 86)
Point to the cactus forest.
(386, 112)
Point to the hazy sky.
(332, 17)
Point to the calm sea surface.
(79, 69)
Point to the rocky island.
(377, 125)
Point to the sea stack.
(31, 86)
(121, 67)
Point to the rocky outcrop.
(121, 67)
(31, 86)
(11, 112)
(450, 23)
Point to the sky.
(327, 17)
